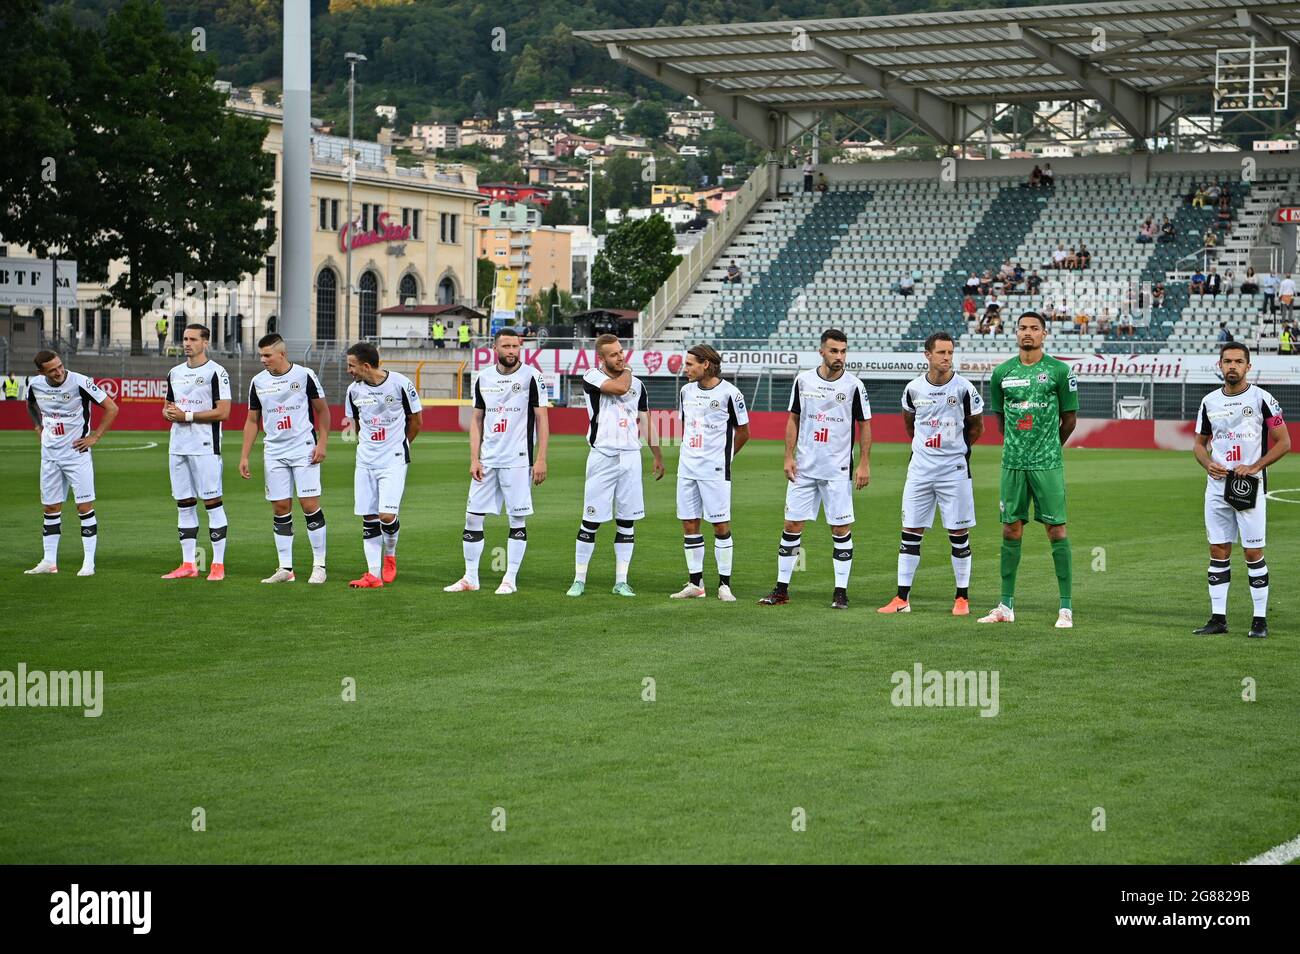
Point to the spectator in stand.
(1049, 177)
(1167, 231)
(969, 310)
(1268, 285)
(1224, 334)
(1059, 256)
(1006, 278)
(1227, 282)
(1200, 198)
(906, 284)
(1081, 322)
(1072, 260)
(1213, 191)
(733, 273)
(1084, 256)
(1158, 295)
(1104, 322)
(986, 282)
(972, 285)
(1213, 283)
(1124, 327)
(1147, 231)
(808, 173)
(991, 304)
(1286, 295)
(1225, 210)
(1036, 177)
(1250, 284)
(822, 184)
(1198, 283)
(1209, 240)
(1033, 283)
(1190, 197)
(1018, 274)
(1285, 342)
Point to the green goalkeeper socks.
(1010, 564)
(1064, 569)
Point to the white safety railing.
(719, 232)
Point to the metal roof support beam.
(1272, 37)
(930, 112)
(755, 120)
(1132, 109)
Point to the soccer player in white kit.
(386, 408)
(289, 402)
(944, 414)
(503, 465)
(715, 426)
(1230, 444)
(618, 412)
(59, 404)
(198, 401)
(827, 407)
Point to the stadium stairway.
(822, 221)
(1002, 228)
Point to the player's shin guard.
(694, 546)
(316, 533)
(390, 531)
(843, 554)
(787, 554)
(1064, 564)
(585, 548)
(51, 530)
(187, 525)
(472, 545)
(1010, 565)
(516, 544)
(1220, 576)
(1258, 573)
(909, 558)
(217, 531)
(89, 535)
(373, 546)
(722, 552)
(960, 541)
(282, 527)
(624, 539)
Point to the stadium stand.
(814, 260)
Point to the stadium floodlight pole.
(591, 238)
(350, 171)
(295, 270)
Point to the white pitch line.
(99, 448)
(1283, 854)
(1285, 490)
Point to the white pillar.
(295, 219)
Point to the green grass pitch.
(228, 696)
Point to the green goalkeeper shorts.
(1045, 487)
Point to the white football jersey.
(62, 412)
(828, 415)
(284, 401)
(508, 402)
(1237, 426)
(939, 448)
(197, 389)
(380, 411)
(710, 417)
(612, 418)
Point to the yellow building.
(414, 242)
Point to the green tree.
(638, 257)
(557, 213)
(485, 276)
(646, 119)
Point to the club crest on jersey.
(1042, 377)
(841, 397)
(1247, 411)
(295, 386)
(714, 406)
(591, 511)
(516, 387)
(952, 400)
(389, 399)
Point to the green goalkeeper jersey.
(1031, 398)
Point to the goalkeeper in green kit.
(1036, 400)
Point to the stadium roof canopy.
(943, 71)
